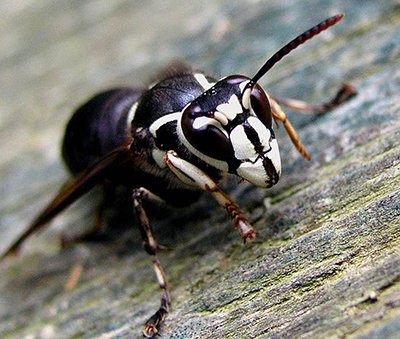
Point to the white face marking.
(221, 118)
(243, 85)
(202, 80)
(201, 122)
(242, 146)
(263, 132)
(219, 164)
(252, 168)
(275, 156)
(246, 98)
(244, 149)
(205, 121)
(162, 121)
(131, 114)
(255, 173)
(231, 108)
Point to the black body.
(97, 127)
(101, 124)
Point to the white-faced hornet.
(176, 139)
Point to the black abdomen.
(97, 127)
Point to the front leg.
(189, 173)
(346, 92)
(280, 115)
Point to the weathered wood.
(326, 260)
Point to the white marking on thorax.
(202, 80)
(231, 108)
(131, 114)
(162, 121)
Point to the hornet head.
(229, 126)
(233, 133)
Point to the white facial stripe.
(221, 165)
(221, 118)
(252, 169)
(245, 94)
(202, 80)
(243, 85)
(275, 156)
(263, 132)
(162, 121)
(131, 114)
(231, 108)
(201, 122)
(242, 146)
(255, 173)
(246, 98)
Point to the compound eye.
(206, 134)
(261, 107)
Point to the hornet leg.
(191, 174)
(280, 115)
(96, 230)
(152, 325)
(346, 92)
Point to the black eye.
(261, 106)
(205, 134)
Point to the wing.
(75, 189)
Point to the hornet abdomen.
(97, 127)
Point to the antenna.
(285, 50)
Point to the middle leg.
(153, 324)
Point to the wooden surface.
(326, 260)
